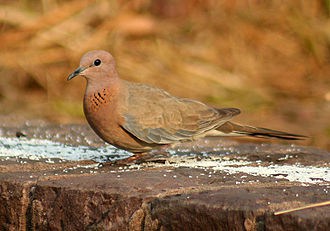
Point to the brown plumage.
(138, 118)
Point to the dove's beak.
(76, 72)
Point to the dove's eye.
(97, 62)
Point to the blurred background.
(269, 58)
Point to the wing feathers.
(154, 116)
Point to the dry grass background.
(269, 58)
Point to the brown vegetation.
(269, 58)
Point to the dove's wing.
(154, 116)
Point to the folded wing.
(155, 116)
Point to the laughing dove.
(138, 117)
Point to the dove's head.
(97, 65)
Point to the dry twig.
(303, 207)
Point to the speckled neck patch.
(98, 99)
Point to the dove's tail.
(230, 128)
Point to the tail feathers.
(232, 128)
